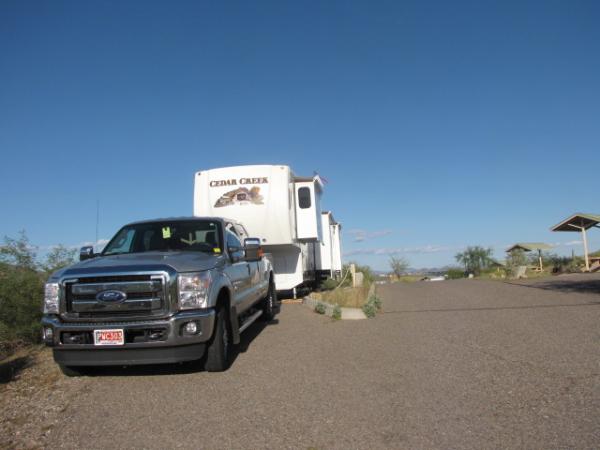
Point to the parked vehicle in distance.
(161, 291)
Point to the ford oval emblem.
(111, 296)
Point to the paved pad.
(455, 364)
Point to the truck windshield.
(192, 235)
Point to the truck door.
(239, 272)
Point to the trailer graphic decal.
(241, 196)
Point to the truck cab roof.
(185, 219)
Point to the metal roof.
(577, 221)
(529, 246)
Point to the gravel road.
(453, 364)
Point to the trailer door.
(308, 212)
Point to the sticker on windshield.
(166, 231)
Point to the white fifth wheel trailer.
(280, 208)
(329, 260)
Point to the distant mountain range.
(419, 271)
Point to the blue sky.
(437, 124)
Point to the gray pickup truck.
(161, 291)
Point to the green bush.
(372, 306)
(320, 308)
(22, 280)
(376, 301)
(455, 273)
(567, 264)
(329, 284)
(337, 312)
(21, 294)
(514, 260)
(369, 309)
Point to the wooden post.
(541, 263)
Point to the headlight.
(51, 298)
(193, 290)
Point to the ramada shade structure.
(529, 247)
(580, 222)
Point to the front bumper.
(146, 342)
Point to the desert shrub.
(562, 264)
(369, 310)
(320, 308)
(337, 312)
(21, 294)
(376, 301)
(348, 297)
(329, 284)
(22, 280)
(455, 273)
(59, 257)
(372, 306)
(368, 275)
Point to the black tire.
(218, 354)
(72, 371)
(269, 304)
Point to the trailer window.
(304, 197)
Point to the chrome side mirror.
(252, 249)
(86, 252)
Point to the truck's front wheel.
(218, 354)
(269, 304)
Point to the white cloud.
(359, 235)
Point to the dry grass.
(345, 297)
(409, 278)
(530, 274)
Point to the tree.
(18, 252)
(21, 294)
(59, 257)
(475, 259)
(398, 265)
(514, 259)
(22, 289)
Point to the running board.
(250, 320)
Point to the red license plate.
(109, 337)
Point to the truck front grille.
(133, 296)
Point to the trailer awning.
(529, 246)
(580, 222)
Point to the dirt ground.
(453, 364)
(34, 398)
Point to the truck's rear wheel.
(269, 304)
(218, 354)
